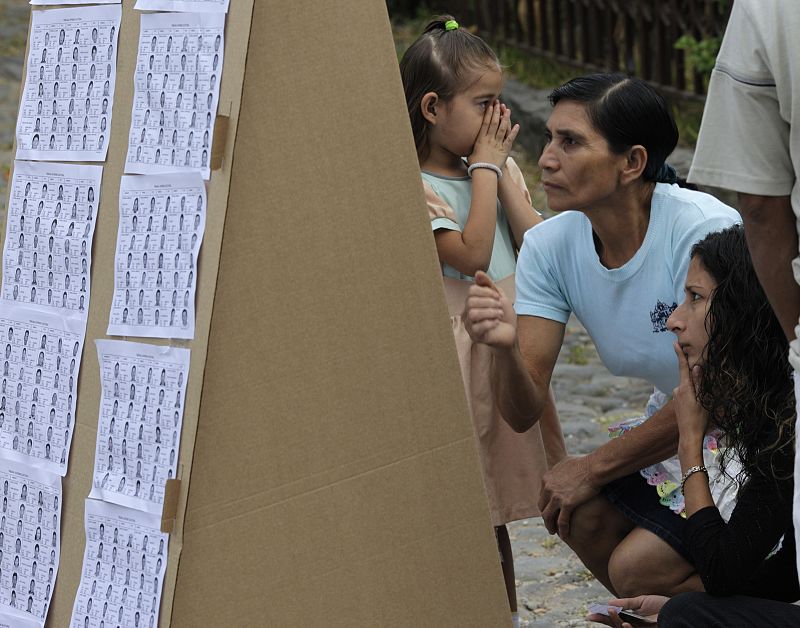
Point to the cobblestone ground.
(553, 587)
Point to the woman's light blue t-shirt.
(624, 309)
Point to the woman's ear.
(634, 164)
(428, 106)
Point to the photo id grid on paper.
(139, 428)
(30, 533)
(123, 568)
(41, 357)
(161, 226)
(48, 248)
(191, 6)
(177, 80)
(65, 112)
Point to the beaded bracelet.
(487, 166)
(690, 472)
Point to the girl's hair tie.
(450, 25)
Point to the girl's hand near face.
(495, 137)
(692, 417)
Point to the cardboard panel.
(77, 483)
(336, 481)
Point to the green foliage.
(688, 115)
(537, 72)
(700, 54)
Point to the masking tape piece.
(172, 491)
(220, 141)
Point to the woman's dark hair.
(626, 111)
(745, 383)
(440, 60)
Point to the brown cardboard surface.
(355, 499)
(334, 480)
(77, 483)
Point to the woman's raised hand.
(692, 417)
(496, 136)
(488, 315)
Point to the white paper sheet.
(39, 366)
(123, 568)
(30, 524)
(161, 226)
(48, 249)
(8, 620)
(177, 79)
(65, 2)
(65, 112)
(191, 6)
(139, 429)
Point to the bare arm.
(770, 228)
(653, 441)
(522, 359)
(692, 422)
(577, 479)
(470, 250)
(522, 373)
(517, 205)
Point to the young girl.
(479, 209)
(734, 376)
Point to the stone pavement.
(552, 585)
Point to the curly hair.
(745, 384)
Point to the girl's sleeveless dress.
(513, 463)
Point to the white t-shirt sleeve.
(744, 140)
(539, 288)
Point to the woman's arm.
(730, 557)
(524, 352)
(692, 425)
(577, 479)
(727, 556)
(521, 374)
